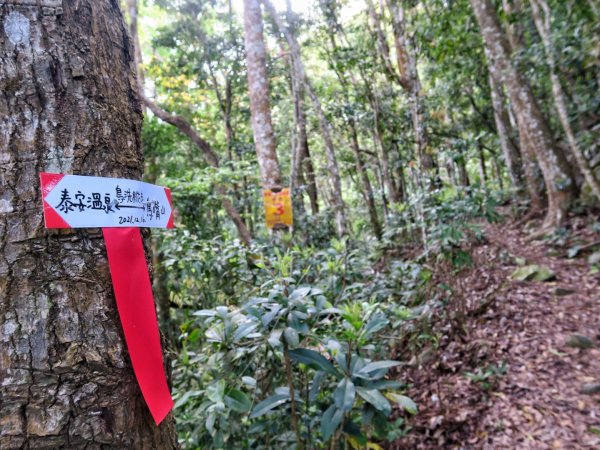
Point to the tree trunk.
(512, 155)
(383, 154)
(542, 16)
(302, 162)
(531, 171)
(482, 168)
(132, 9)
(69, 105)
(258, 89)
(383, 48)
(367, 189)
(559, 181)
(498, 171)
(332, 165)
(409, 80)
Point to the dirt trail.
(537, 403)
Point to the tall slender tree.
(560, 185)
(258, 89)
(409, 79)
(542, 16)
(332, 164)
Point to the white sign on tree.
(73, 201)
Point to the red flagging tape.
(135, 303)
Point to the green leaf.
(378, 365)
(194, 335)
(291, 337)
(315, 385)
(215, 391)
(205, 313)
(344, 395)
(377, 323)
(185, 397)
(403, 401)
(300, 293)
(275, 338)
(268, 317)
(330, 420)
(269, 404)
(382, 384)
(244, 330)
(375, 398)
(249, 381)
(238, 401)
(313, 359)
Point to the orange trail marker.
(278, 208)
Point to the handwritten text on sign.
(278, 208)
(73, 201)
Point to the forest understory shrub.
(285, 344)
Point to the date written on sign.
(278, 208)
(74, 201)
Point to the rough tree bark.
(542, 16)
(258, 89)
(557, 174)
(332, 165)
(69, 104)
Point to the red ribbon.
(135, 303)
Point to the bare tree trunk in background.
(533, 183)
(132, 10)
(510, 152)
(296, 172)
(367, 190)
(463, 174)
(531, 167)
(409, 80)
(311, 181)
(498, 171)
(383, 48)
(258, 89)
(69, 104)
(399, 170)
(560, 185)
(482, 168)
(301, 153)
(388, 178)
(332, 165)
(542, 16)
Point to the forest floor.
(508, 372)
